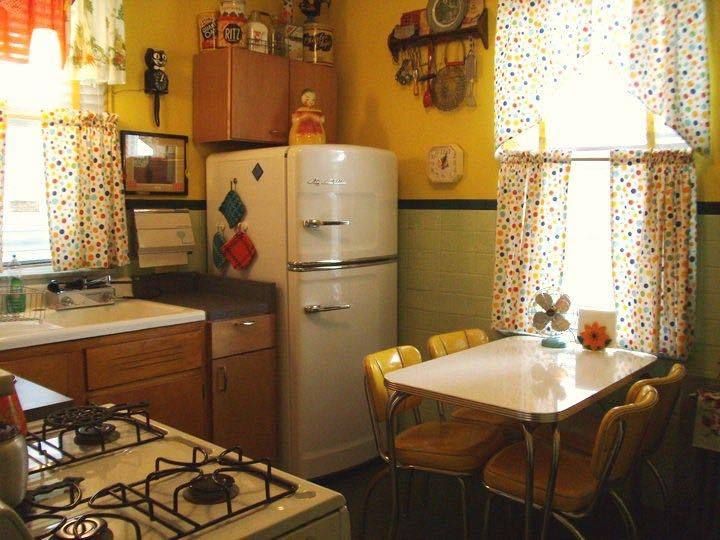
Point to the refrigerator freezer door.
(342, 203)
(336, 318)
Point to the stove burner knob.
(106, 297)
(67, 301)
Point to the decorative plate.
(446, 15)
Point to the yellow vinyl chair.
(450, 448)
(581, 479)
(452, 342)
(582, 431)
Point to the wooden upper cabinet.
(322, 79)
(240, 95)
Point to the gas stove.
(112, 473)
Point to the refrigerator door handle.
(317, 223)
(318, 309)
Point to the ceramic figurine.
(311, 8)
(307, 121)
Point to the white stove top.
(299, 502)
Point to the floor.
(433, 511)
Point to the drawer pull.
(317, 223)
(245, 323)
(222, 379)
(318, 309)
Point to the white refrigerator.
(323, 219)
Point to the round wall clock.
(446, 15)
(445, 163)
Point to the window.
(27, 89)
(591, 113)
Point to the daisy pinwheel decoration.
(551, 318)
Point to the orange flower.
(594, 337)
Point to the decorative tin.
(207, 25)
(318, 44)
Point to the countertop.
(37, 401)
(219, 297)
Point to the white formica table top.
(519, 378)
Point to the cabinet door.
(245, 403)
(322, 79)
(259, 97)
(177, 400)
(211, 96)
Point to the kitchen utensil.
(427, 96)
(470, 74)
(404, 75)
(448, 89)
(13, 465)
(232, 206)
(239, 250)
(217, 244)
(444, 16)
(11, 526)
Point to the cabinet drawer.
(142, 359)
(242, 335)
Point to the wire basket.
(20, 303)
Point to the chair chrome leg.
(411, 477)
(661, 483)
(395, 399)
(368, 491)
(486, 514)
(625, 513)
(529, 477)
(463, 500)
(569, 526)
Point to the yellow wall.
(377, 111)
(374, 109)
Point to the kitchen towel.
(217, 253)
(233, 208)
(239, 250)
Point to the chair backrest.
(634, 418)
(376, 365)
(442, 344)
(668, 388)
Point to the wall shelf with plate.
(396, 45)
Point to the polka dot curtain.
(84, 185)
(529, 233)
(2, 173)
(654, 249)
(660, 46)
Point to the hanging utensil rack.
(480, 30)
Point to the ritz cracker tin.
(318, 44)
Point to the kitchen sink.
(125, 315)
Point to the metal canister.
(318, 45)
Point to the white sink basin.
(123, 316)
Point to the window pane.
(25, 231)
(588, 272)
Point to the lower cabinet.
(164, 366)
(177, 400)
(245, 403)
(244, 385)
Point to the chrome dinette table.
(518, 378)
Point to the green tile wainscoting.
(446, 267)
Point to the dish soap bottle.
(16, 290)
(231, 24)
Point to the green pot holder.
(232, 206)
(217, 254)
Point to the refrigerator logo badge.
(329, 182)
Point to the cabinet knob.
(222, 381)
(245, 323)
(276, 132)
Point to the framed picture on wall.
(154, 162)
